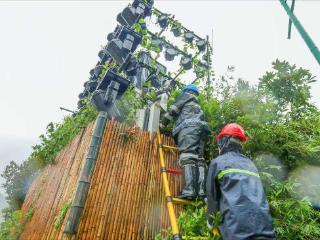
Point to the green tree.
(284, 136)
(289, 87)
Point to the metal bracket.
(163, 169)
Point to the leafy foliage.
(60, 217)
(129, 104)
(18, 178)
(284, 132)
(284, 137)
(192, 224)
(58, 135)
(293, 218)
(288, 86)
(13, 226)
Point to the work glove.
(165, 122)
(161, 127)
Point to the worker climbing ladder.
(171, 200)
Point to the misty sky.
(47, 49)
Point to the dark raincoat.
(235, 190)
(190, 131)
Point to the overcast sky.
(47, 49)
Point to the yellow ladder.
(171, 200)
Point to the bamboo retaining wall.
(126, 198)
(54, 187)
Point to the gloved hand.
(161, 127)
(165, 121)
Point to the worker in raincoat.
(190, 132)
(234, 189)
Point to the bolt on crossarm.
(311, 45)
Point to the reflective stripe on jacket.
(235, 190)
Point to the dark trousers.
(191, 143)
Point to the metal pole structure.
(290, 22)
(312, 46)
(67, 110)
(208, 63)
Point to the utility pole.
(311, 45)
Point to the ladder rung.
(182, 201)
(174, 171)
(195, 238)
(165, 181)
(166, 147)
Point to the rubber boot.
(201, 182)
(188, 191)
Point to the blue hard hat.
(191, 87)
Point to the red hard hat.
(234, 130)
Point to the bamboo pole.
(74, 173)
(78, 170)
(122, 187)
(48, 200)
(140, 201)
(85, 177)
(113, 157)
(84, 223)
(90, 217)
(131, 182)
(98, 189)
(144, 190)
(59, 201)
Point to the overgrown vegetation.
(18, 178)
(284, 142)
(284, 131)
(58, 220)
(58, 135)
(128, 105)
(13, 226)
(60, 217)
